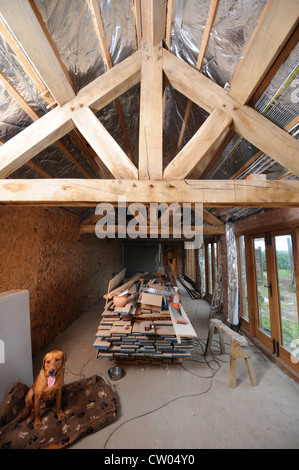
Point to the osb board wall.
(40, 251)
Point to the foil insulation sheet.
(279, 104)
(175, 109)
(232, 275)
(201, 261)
(70, 25)
(232, 29)
(188, 24)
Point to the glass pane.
(243, 279)
(210, 268)
(261, 285)
(287, 290)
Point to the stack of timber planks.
(139, 332)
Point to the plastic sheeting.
(201, 261)
(70, 25)
(233, 26)
(232, 276)
(176, 105)
(189, 19)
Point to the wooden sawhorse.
(239, 349)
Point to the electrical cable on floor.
(81, 370)
(177, 398)
(198, 343)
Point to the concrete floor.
(188, 406)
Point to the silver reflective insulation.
(232, 276)
(233, 26)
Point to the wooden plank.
(170, 5)
(116, 280)
(285, 53)
(111, 84)
(124, 286)
(137, 13)
(183, 330)
(212, 193)
(35, 138)
(200, 144)
(276, 26)
(151, 113)
(206, 35)
(210, 218)
(247, 122)
(54, 125)
(289, 126)
(24, 61)
(211, 157)
(296, 261)
(18, 98)
(152, 300)
(218, 229)
(107, 149)
(91, 156)
(203, 47)
(34, 116)
(37, 169)
(153, 14)
(18, 13)
(52, 43)
(99, 29)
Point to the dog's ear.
(44, 360)
(64, 358)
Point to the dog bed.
(89, 405)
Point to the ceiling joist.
(82, 192)
(276, 26)
(16, 14)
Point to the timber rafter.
(147, 181)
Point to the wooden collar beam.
(82, 192)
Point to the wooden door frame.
(251, 327)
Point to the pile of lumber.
(189, 285)
(144, 330)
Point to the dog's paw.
(37, 424)
(61, 416)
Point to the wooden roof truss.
(146, 180)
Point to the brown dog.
(48, 385)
